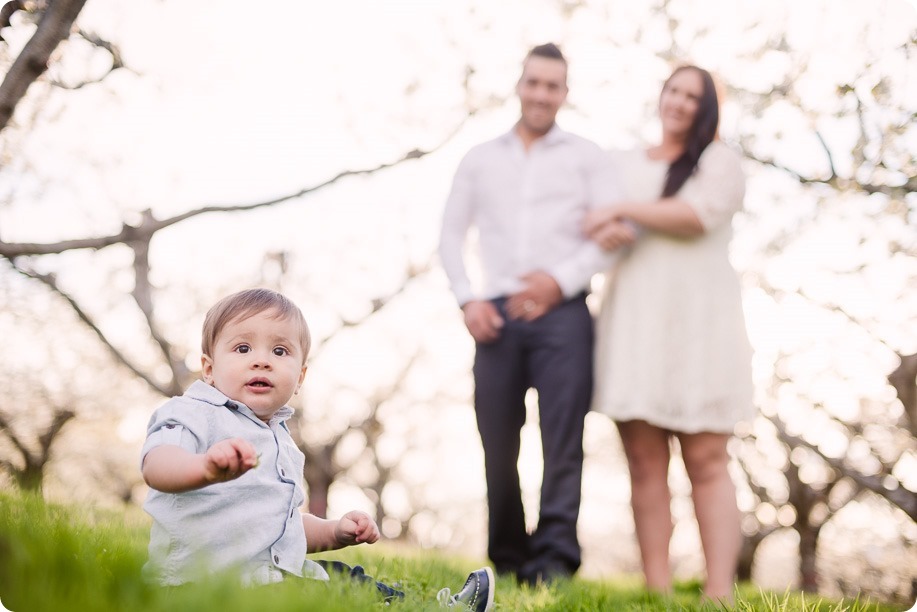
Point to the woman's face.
(679, 102)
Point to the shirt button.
(276, 559)
(283, 472)
(170, 426)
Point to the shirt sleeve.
(717, 189)
(177, 424)
(603, 187)
(457, 217)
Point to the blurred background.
(174, 152)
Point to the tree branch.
(904, 380)
(828, 154)
(828, 306)
(61, 417)
(95, 40)
(901, 497)
(54, 27)
(143, 297)
(11, 435)
(841, 184)
(150, 225)
(51, 283)
(6, 13)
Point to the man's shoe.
(477, 594)
(547, 575)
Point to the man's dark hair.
(548, 50)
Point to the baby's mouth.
(260, 383)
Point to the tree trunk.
(750, 546)
(746, 560)
(319, 474)
(318, 498)
(808, 542)
(31, 478)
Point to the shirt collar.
(553, 136)
(201, 391)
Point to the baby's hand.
(229, 459)
(356, 527)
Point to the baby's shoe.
(477, 594)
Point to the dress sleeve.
(717, 189)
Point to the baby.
(225, 475)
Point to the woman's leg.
(647, 449)
(718, 517)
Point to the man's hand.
(356, 527)
(539, 296)
(229, 459)
(483, 321)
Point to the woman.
(673, 358)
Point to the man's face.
(542, 90)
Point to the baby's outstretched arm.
(355, 527)
(172, 469)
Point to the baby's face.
(257, 361)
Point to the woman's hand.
(598, 217)
(609, 228)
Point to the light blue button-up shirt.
(252, 523)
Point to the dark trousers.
(357, 574)
(552, 354)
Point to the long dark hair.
(701, 134)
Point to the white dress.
(671, 344)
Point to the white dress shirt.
(528, 208)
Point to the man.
(526, 193)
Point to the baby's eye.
(280, 351)
(243, 348)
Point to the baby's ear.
(207, 369)
(302, 376)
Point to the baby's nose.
(261, 363)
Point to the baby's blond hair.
(246, 303)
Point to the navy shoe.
(477, 594)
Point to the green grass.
(77, 559)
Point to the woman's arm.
(714, 193)
(668, 215)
